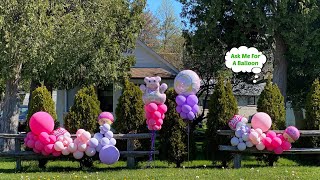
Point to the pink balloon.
(150, 127)
(38, 145)
(151, 122)
(159, 122)
(44, 138)
(163, 116)
(77, 141)
(291, 134)
(68, 139)
(152, 107)
(156, 115)
(286, 145)
(278, 150)
(261, 120)
(43, 152)
(267, 141)
(49, 148)
(281, 137)
(259, 131)
(253, 136)
(276, 142)
(271, 134)
(270, 148)
(162, 108)
(106, 115)
(52, 139)
(79, 132)
(36, 150)
(35, 138)
(30, 143)
(41, 122)
(148, 115)
(156, 128)
(56, 153)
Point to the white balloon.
(72, 147)
(113, 141)
(82, 147)
(249, 144)
(234, 141)
(102, 131)
(245, 136)
(244, 120)
(65, 151)
(242, 146)
(78, 154)
(90, 151)
(260, 146)
(240, 140)
(67, 134)
(263, 135)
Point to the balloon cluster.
(42, 139)
(154, 99)
(186, 85)
(155, 115)
(259, 136)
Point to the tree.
(42, 101)
(173, 135)
(218, 26)
(313, 107)
(73, 42)
(84, 112)
(150, 30)
(272, 102)
(220, 112)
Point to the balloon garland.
(155, 109)
(259, 135)
(43, 139)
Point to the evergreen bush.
(173, 134)
(84, 112)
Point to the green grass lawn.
(284, 169)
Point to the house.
(148, 63)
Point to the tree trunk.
(10, 118)
(33, 85)
(280, 65)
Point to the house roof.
(150, 72)
(245, 89)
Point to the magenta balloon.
(183, 115)
(276, 142)
(163, 116)
(44, 138)
(49, 148)
(270, 148)
(261, 120)
(36, 150)
(286, 145)
(52, 139)
(195, 109)
(151, 122)
(186, 108)
(109, 154)
(278, 150)
(150, 127)
(192, 100)
(267, 141)
(43, 152)
(38, 145)
(178, 109)
(156, 115)
(280, 136)
(191, 115)
(152, 107)
(106, 115)
(162, 108)
(148, 115)
(56, 153)
(41, 122)
(156, 127)
(180, 100)
(30, 143)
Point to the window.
(105, 96)
(251, 100)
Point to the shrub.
(313, 106)
(271, 102)
(41, 100)
(222, 107)
(173, 135)
(84, 112)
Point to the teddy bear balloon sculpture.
(154, 99)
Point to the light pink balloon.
(68, 139)
(156, 128)
(85, 136)
(79, 132)
(259, 131)
(77, 141)
(263, 135)
(78, 154)
(82, 147)
(58, 146)
(41, 122)
(60, 138)
(261, 120)
(253, 136)
(72, 147)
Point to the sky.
(153, 5)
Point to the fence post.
(237, 160)
(17, 150)
(130, 147)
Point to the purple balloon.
(191, 115)
(178, 109)
(183, 115)
(93, 142)
(109, 154)
(195, 109)
(180, 100)
(192, 100)
(186, 108)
